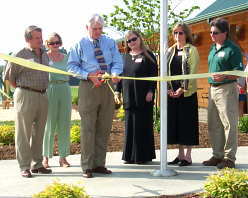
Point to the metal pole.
(163, 92)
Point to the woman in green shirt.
(59, 107)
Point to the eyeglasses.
(54, 43)
(132, 39)
(215, 33)
(179, 33)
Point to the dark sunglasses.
(54, 43)
(179, 33)
(215, 33)
(132, 39)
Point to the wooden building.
(236, 12)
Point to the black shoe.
(128, 162)
(142, 162)
(41, 170)
(175, 161)
(184, 163)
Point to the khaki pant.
(31, 110)
(96, 108)
(223, 116)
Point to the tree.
(143, 15)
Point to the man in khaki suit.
(93, 55)
(30, 103)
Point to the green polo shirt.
(227, 58)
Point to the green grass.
(7, 122)
(74, 91)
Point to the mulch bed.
(116, 144)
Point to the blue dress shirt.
(82, 59)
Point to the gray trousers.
(96, 108)
(223, 114)
(31, 110)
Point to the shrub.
(227, 183)
(60, 190)
(156, 119)
(7, 134)
(121, 114)
(75, 134)
(243, 124)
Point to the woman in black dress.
(183, 58)
(138, 100)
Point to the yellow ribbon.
(37, 66)
(33, 65)
(2, 92)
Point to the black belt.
(35, 90)
(217, 85)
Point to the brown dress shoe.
(212, 162)
(41, 170)
(87, 173)
(102, 170)
(26, 173)
(226, 163)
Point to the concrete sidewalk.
(126, 180)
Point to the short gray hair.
(29, 30)
(95, 18)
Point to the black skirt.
(139, 138)
(183, 126)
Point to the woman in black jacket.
(138, 100)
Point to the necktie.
(99, 56)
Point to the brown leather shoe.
(226, 163)
(26, 173)
(87, 173)
(41, 170)
(102, 170)
(212, 162)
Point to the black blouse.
(176, 68)
(134, 91)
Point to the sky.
(62, 16)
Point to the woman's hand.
(149, 96)
(178, 92)
(170, 92)
(175, 94)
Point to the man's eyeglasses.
(179, 33)
(54, 43)
(132, 39)
(215, 33)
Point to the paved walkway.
(126, 180)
